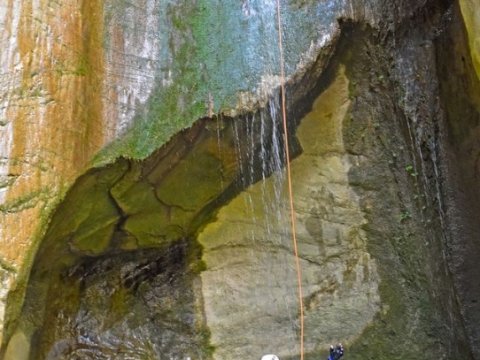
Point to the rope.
(289, 180)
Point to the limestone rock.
(472, 22)
(129, 130)
(250, 278)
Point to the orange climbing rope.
(289, 179)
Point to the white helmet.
(270, 357)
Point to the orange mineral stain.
(56, 113)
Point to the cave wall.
(76, 76)
(460, 154)
(86, 84)
(250, 276)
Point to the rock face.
(143, 201)
(250, 277)
(472, 24)
(461, 169)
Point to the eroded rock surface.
(250, 278)
(385, 187)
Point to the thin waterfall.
(261, 140)
(280, 206)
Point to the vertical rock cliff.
(143, 198)
(51, 117)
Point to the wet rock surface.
(460, 152)
(250, 273)
(126, 306)
(136, 305)
(385, 162)
(118, 270)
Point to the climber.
(336, 352)
(332, 353)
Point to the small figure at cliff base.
(336, 352)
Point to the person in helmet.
(339, 351)
(336, 352)
(332, 353)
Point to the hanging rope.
(289, 179)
